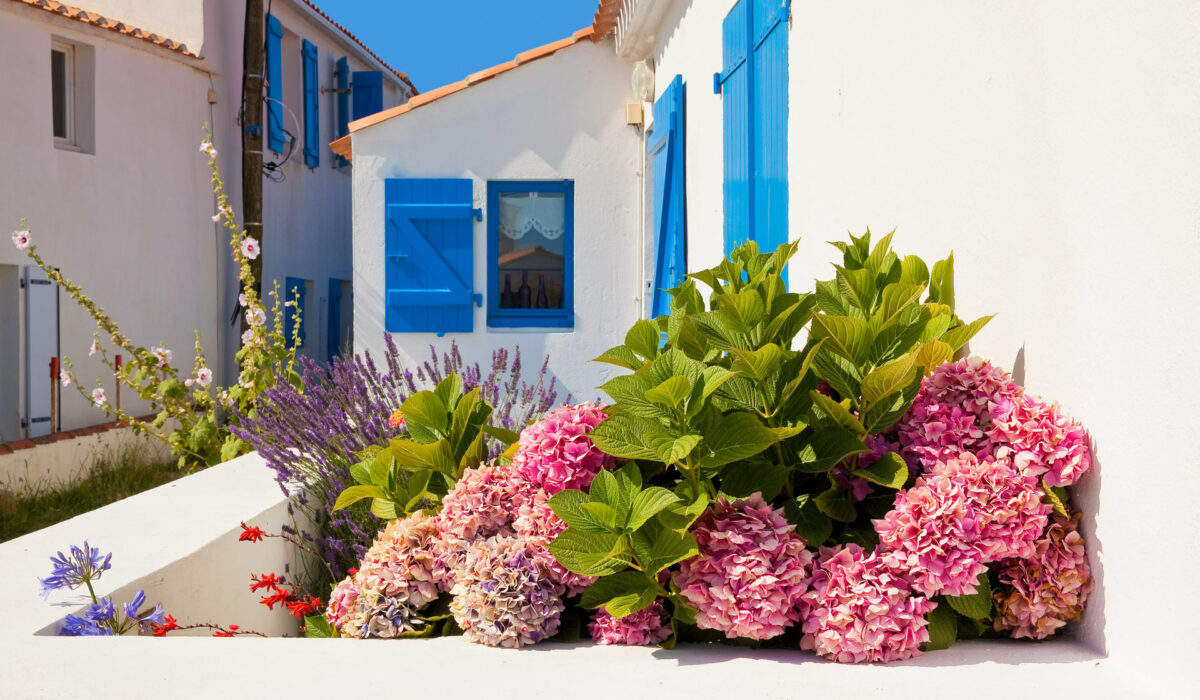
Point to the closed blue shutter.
(276, 139)
(754, 86)
(735, 83)
(294, 290)
(341, 77)
(312, 132)
(333, 337)
(367, 92)
(429, 250)
(666, 147)
(770, 128)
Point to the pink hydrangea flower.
(537, 523)
(484, 502)
(961, 515)
(1042, 440)
(405, 562)
(751, 571)
(1040, 593)
(953, 412)
(556, 453)
(859, 609)
(342, 602)
(503, 596)
(646, 626)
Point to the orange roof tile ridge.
(112, 25)
(402, 76)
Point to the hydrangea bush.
(807, 470)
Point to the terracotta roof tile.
(342, 145)
(606, 18)
(401, 76)
(96, 20)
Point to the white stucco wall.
(1051, 147)
(560, 117)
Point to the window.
(62, 81)
(530, 254)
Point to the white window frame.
(69, 141)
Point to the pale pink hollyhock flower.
(1040, 593)
(859, 609)
(188, 382)
(256, 316)
(95, 348)
(249, 338)
(242, 299)
(751, 571)
(98, 397)
(221, 211)
(646, 626)
(250, 247)
(204, 376)
(65, 377)
(163, 355)
(556, 453)
(21, 239)
(206, 147)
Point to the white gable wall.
(560, 117)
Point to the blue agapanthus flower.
(134, 613)
(76, 569)
(99, 619)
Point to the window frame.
(69, 141)
(530, 318)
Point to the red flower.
(279, 598)
(222, 633)
(167, 626)
(234, 628)
(352, 571)
(396, 419)
(300, 608)
(264, 581)
(253, 534)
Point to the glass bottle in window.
(524, 293)
(506, 297)
(541, 294)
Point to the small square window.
(530, 254)
(62, 83)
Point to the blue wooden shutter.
(294, 290)
(666, 147)
(333, 337)
(341, 77)
(276, 139)
(367, 92)
(770, 110)
(735, 83)
(429, 249)
(312, 132)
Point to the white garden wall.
(560, 117)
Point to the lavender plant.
(309, 434)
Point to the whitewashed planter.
(179, 543)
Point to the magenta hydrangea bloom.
(859, 609)
(1041, 593)
(649, 625)
(484, 502)
(406, 561)
(503, 596)
(961, 515)
(537, 523)
(953, 412)
(556, 453)
(342, 602)
(751, 571)
(1042, 440)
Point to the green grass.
(109, 481)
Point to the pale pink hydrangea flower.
(405, 562)
(859, 609)
(953, 412)
(250, 247)
(1040, 593)
(751, 571)
(537, 523)
(204, 376)
(21, 239)
(342, 603)
(1042, 440)
(98, 397)
(503, 596)
(484, 502)
(377, 615)
(556, 453)
(649, 625)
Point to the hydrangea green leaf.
(977, 605)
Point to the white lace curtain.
(519, 214)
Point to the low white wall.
(559, 117)
(67, 461)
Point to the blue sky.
(441, 41)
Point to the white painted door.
(41, 344)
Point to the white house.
(102, 121)
(1051, 146)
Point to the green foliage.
(943, 628)
(446, 431)
(976, 606)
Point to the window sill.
(67, 146)
(532, 321)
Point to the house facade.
(102, 125)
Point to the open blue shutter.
(312, 132)
(294, 290)
(341, 78)
(429, 249)
(770, 128)
(735, 83)
(666, 147)
(367, 92)
(333, 337)
(276, 139)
